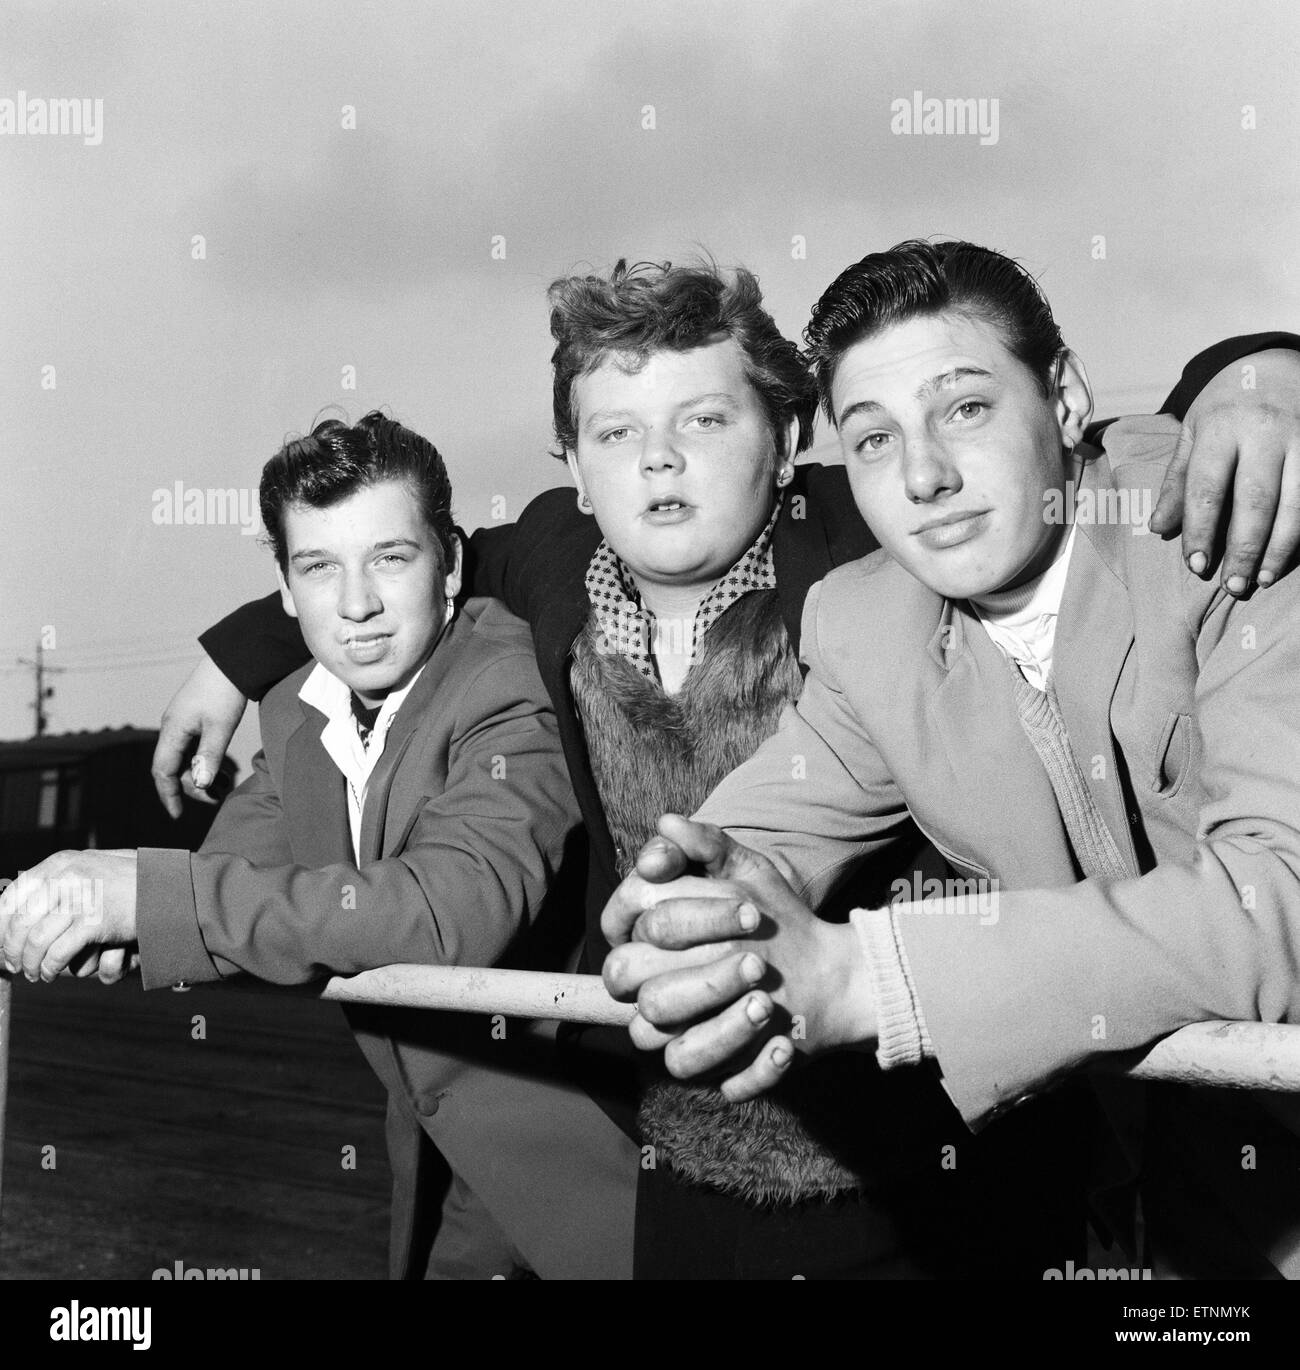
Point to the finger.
(681, 996)
(27, 902)
(766, 1070)
(1284, 541)
(83, 965)
(723, 857)
(1210, 471)
(680, 923)
(1167, 517)
(112, 965)
(716, 1041)
(661, 860)
(635, 895)
(1254, 505)
(174, 742)
(41, 936)
(646, 1037)
(628, 967)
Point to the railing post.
(6, 1022)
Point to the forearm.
(256, 646)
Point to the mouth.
(952, 529)
(667, 510)
(366, 647)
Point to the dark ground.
(223, 1152)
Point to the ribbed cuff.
(902, 1038)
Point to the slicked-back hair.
(655, 306)
(334, 461)
(918, 278)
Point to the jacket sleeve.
(1202, 369)
(256, 646)
(1060, 976)
(817, 794)
(471, 874)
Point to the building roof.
(53, 749)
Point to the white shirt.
(1022, 622)
(325, 691)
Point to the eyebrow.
(317, 553)
(598, 416)
(944, 380)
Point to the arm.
(472, 873)
(1041, 981)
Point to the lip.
(366, 648)
(952, 530)
(659, 516)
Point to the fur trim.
(759, 1150)
(743, 676)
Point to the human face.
(364, 583)
(952, 449)
(678, 460)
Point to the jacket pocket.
(1173, 755)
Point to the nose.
(928, 470)
(358, 599)
(660, 453)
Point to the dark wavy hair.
(334, 460)
(652, 306)
(915, 278)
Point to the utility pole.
(43, 691)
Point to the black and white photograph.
(651, 642)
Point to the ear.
(787, 442)
(286, 599)
(452, 580)
(571, 459)
(1072, 394)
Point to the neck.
(672, 601)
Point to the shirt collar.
(323, 690)
(629, 627)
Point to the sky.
(283, 197)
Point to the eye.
(708, 421)
(872, 442)
(393, 557)
(314, 567)
(970, 409)
(614, 435)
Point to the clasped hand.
(731, 971)
(74, 907)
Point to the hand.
(1249, 440)
(207, 707)
(70, 902)
(715, 1002)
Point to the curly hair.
(652, 306)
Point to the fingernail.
(1236, 585)
(749, 917)
(1266, 577)
(1197, 562)
(781, 1056)
(199, 772)
(757, 1012)
(751, 968)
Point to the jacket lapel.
(1093, 640)
(375, 819)
(316, 804)
(994, 781)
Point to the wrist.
(849, 1007)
